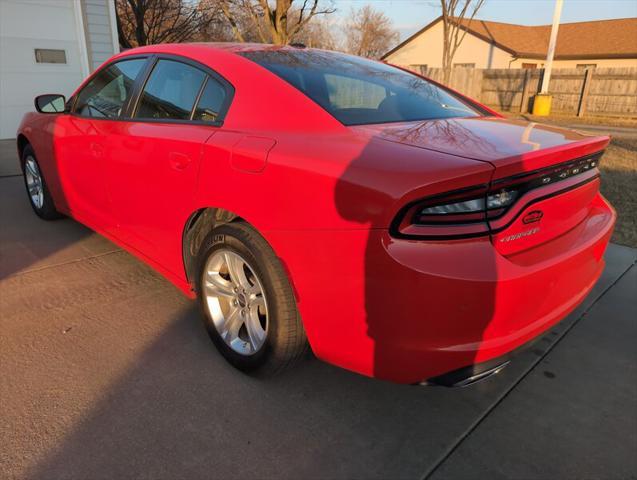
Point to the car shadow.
(29, 242)
(415, 313)
(180, 411)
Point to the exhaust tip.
(466, 376)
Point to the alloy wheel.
(34, 182)
(236, 301)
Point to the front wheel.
(37, 190)
(247, 302)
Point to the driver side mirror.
(50, 103)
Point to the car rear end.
(531, 242)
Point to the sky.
(411, 15)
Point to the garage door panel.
(43, 19)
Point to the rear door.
(154, 156)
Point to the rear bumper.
(407, 311)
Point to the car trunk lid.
(510, 145)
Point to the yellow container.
(542, 104)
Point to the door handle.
(96, 149)
(178, 161)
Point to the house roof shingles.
(581, 40)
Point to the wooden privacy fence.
(595, 91)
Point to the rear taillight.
(465, 212)
(493, 203)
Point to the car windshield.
(358, 91)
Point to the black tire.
(47, 210)
(285, 342)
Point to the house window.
(529, 65)
(465, 65)
(45, 55)
(421, 68)
(586, 65)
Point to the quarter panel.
(327, 181)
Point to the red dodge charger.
(315, 199)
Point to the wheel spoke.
(235, 268)
(232, 325)
(218, 286)
(253, 290)
(30, 167)
(255, 332)
(257, 302)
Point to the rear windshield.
(358, 91)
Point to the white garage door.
(50, 27)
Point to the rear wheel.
(247, 302)
(37, 190)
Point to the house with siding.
(602, 43)
(49, 47)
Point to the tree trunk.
(140, 33)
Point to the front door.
(79, 147)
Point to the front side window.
(170, 92)
(358, 91)
(106, 94)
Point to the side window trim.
(210, 73)
(198, 98)
(138, 87)
(227, 101)
(125, 107)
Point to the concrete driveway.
(107, 372)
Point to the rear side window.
(358, 91)
(106, 94)
(211, 102)
(170, 92)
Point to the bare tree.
(456, 19)
(215, 27)
(271, 21)
(318, 33)
(369, 32)
(145, 22)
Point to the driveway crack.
(55, 265)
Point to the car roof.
(245, 47)
(230, 47)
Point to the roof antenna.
(297, 45)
